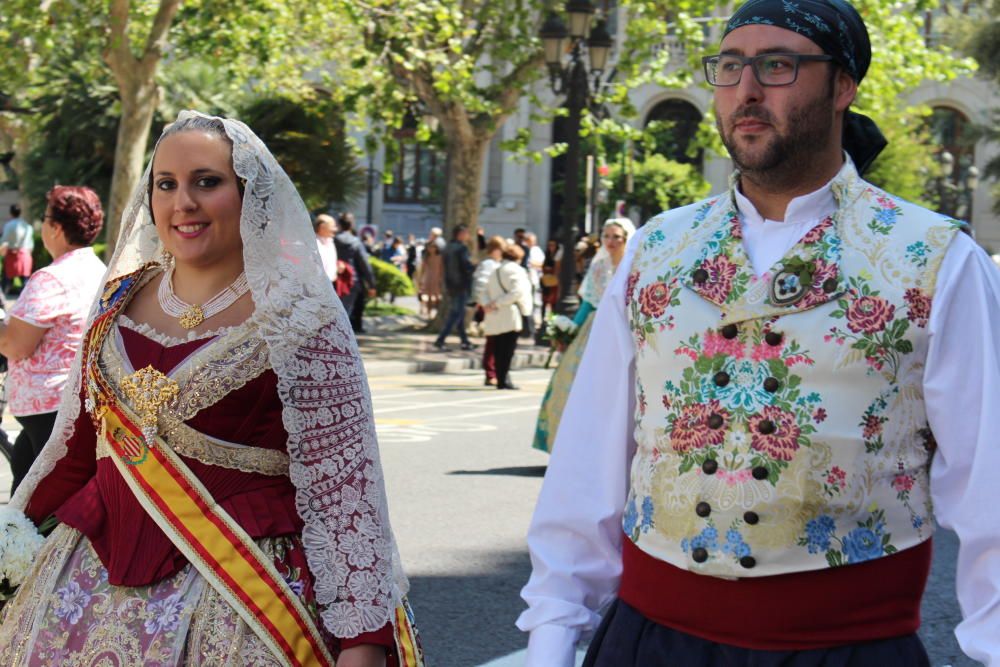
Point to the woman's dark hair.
(15, 210)
(345, 221)
(77, 210)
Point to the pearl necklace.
(191, 315)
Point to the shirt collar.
(814, 206)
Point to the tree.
(270, 42)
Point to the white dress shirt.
(328, 255)
(575, 534)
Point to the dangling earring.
(166, 259)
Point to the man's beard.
(785, 157)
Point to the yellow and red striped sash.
(213, 542)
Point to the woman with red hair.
(43, 332)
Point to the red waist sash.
(877, 599)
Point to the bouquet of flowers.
(560, 332)
(20, 543)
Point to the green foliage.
(308, 140)
(76, 129)
(390, 280)
(909, 162)
(375, 308)
(660, 184)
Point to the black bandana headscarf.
(836, 27)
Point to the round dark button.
(715, 421)
(771, 385)
(721, 379)
(759, 472)
(729, 331)
(710, 466)
(700, 276)
(830, 285)
(752, 518)
(748, 562)
(773, 338)
(699, 554)
(703, 509)
(765, 427)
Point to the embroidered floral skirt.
(68, 614)
(558, 390)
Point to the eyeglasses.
(770, 69)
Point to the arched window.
(678, 121)
(952, 131)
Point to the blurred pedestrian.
(430, 280)
(484, 271)
(534, 260)
(614, 236)
(352, 252)
(550, 276)
(325, 228)
(412, 252)
(508, 298)
(16, 244)
(45, 326)
(458, 270)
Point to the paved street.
(462, 482)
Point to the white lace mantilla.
(327, 412)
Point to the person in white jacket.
(507, 300)
(484, 270)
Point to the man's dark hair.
(519, 230)
(345, 221)
(15, 210)
(458, 230)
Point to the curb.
(376, 367)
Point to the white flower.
(19, 545)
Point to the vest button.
(771, 385)
(721, 379)
(765, 427)
(773, 338)
(830, 285)
(752, 518)
(749, 562)
(700, 276)
(709, 466)
(715, 421)
(759, 472)
(699, 554)
(729, 331)
(703, 509)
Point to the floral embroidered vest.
(780, 422)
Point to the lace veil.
(332, 447)
(601, 268)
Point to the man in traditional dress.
(785, 387)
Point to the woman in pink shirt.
(45, 327)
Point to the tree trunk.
(464, 175)
(136, 78)
(138, 106)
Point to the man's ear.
(845, 89)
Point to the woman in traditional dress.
(614, 236)
(214, 468)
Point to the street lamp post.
(574, 80)
(955, 192)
